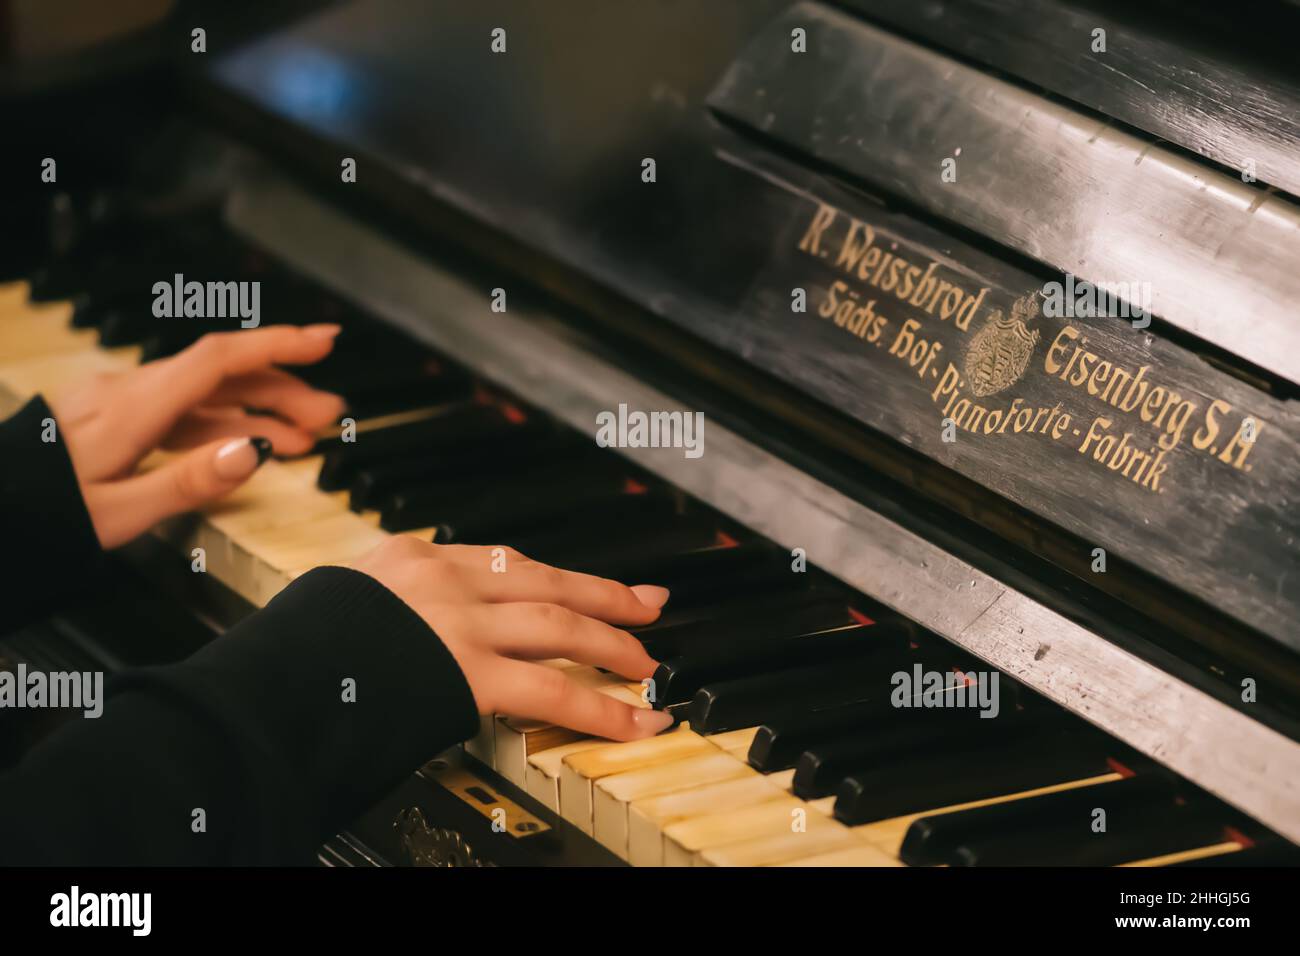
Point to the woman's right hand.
(497, 612)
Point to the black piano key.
(129, 325)
(941, 779)
(761, 616)
(1138, 833)
(576, 539)
(678, 680)
(779, 744)
(646, 511)
(39, 228)
(710, 574)
(362, 367)
(130, 259)
(400, 393)
(898, 733)
(513, 519)
(27, 241)
(483, 510)
(384, 381)
(445, 434)
(98, 273)
(751, 701)
(90, 281)
(740, 610)
(595, 545)
(519, 447)
(935, 839)
(88, 312)
(167, 340)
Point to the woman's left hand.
(201, 401)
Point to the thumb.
(123, 510)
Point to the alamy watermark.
(638, 429)
(1079, 298)
(923, 688)
(29, 689)
(78, 909)
(209, 300)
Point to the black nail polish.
(263, 446)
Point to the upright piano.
(989, 310)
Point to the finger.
(504, 575)
(123, 510)
(275, 390)
(209, 424)
(541, 631)
(543, 693)
(167, 389)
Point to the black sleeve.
(42, 517)
(281, 732)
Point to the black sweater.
(254, 729)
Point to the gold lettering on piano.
(1134, 392)
(878, 273)
(855, 250)
(1017, 416)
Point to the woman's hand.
(496, 622)
(200, 400)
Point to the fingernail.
(651, 595)
(238, 459)
(652, 721)
(324, 331)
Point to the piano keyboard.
(777, 758)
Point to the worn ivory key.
(863, 854)
(614, 793)
(542, 777)
(782, 847)
(735, 742)
(36, 330)
(579, 771)
(649, 816)
(13, 296)
(686, 840)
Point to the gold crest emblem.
(999, 353)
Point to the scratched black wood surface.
(1218, 79)
(545, 145)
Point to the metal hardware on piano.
(846, 260)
